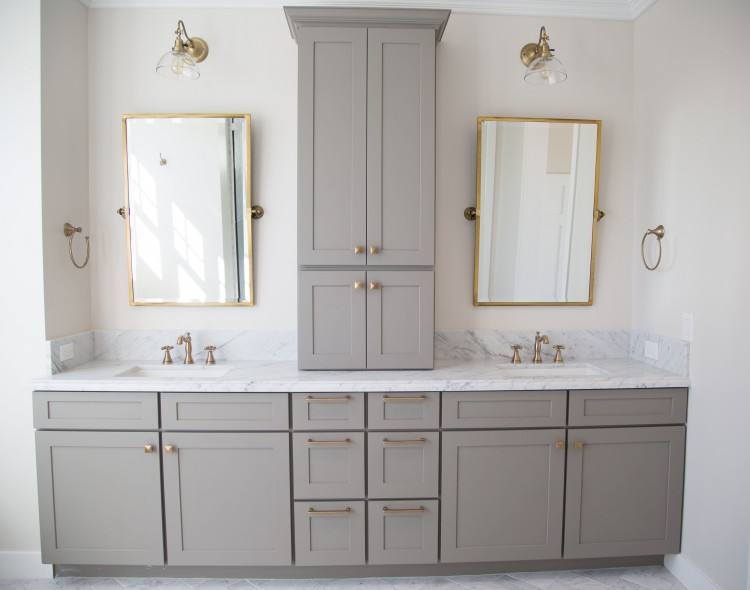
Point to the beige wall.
(65, 167)
(253, 67)
(692, 151)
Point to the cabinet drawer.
(403, 531)
(224, 411)
(403, 464)
(329, 533)
(328, 411)
(329, 465)
(95, 410)
(503, 409)
(393, 411)
(628, 407)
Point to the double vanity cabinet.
(341, 479)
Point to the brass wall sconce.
(541, 66)
(181, 62)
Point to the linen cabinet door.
(400, 319)
(332, 320)
(401, 146)
(100, 498)
(624, 491)
(332, 144)
(502, 495)
(227, 498)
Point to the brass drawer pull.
(340, 398)
(345, 441)
(342, 512)
(404, 398)
(418, 509)
(405, 441)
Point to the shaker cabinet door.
(400, 319)
(332, 319)
(401, 146)
(624, 491)
(502, 495)
(226, 498)
(100, 498)
(332, 145)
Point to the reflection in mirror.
(537, 183)
(188, 190)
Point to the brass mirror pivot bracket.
(599, 214)
(122, 212)
(470, 213)
(256, 212)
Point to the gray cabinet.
(502, 495)
(329, 533)
(224, 411)
(504, 409)
(100, 498)
(628, 407)
(624, 491)
(329, 465)
(332, 332)
(328, 411)
(403, 531)
(401, 146)
(397, 411)
(95, 410)
(403, 464)
(226, 498)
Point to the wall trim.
(26, 565)
(689, 574)
(606, 9)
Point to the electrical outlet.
(651, 350)
(67, 351)
(687, 326)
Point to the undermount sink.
(572, 370)
(175, 371)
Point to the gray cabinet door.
(401, 146)
(502, 495)
(226, 498)
(100, 498)
(332, 144)
(403, 464)
(95, 410)
(403, 531)
(624, 491)
(504, 409)
(628, 407)
(329, 533)
(400, 319)
(399, 411)
(329, 465)
(224, 411)
(328, 411)
(332, 319)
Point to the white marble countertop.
(275, 376)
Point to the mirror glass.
(188, 214)
(537, 184)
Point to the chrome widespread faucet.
(539, 339)
(187, 340)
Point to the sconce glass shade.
(178, 65)
(545, 70)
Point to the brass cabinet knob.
(359, 249)
(559, 444)
(122, 212)
(374, 250)
(148, 448)
(358, 284)
(169, 448)
(578, 444)
(374, 285)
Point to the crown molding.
(605, 9)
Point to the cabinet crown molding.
(334, 16)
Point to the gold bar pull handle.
(341, 512)
(340, 398)
(397, 510)
(343, 441)
(405, 441)
(404, 398)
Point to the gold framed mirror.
(537, 209)
(188, 209)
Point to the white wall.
(692, 151)
(22, 342)
(65, 168)
(253, 67)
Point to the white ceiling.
(612, 9)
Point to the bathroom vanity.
(259, 464)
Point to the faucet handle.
(210, 360)
(558, 353)
(516, 354)
(167, 360)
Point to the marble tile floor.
(632, 578)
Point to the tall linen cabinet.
(366, 186)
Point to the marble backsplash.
(241, 345)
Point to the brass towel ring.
(70, 232)
(658, 231)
